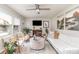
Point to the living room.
(39, 28)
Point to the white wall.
(28, 23)
(60, 15)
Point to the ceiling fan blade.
(38, 8)
(30, 9)
(44, 8)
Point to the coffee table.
(37, 43)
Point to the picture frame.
(45, 24)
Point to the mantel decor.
(45, 24)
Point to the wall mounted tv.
(37, 23)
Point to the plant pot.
(56, 35)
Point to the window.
(5, 18)
(5, 22)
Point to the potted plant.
(26, 31)
(9, 48)
(46, 30)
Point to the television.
(37, 23)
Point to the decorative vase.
(56, 35)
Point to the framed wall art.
(45, 24)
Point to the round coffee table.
(37, 43)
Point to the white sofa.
(66, 44)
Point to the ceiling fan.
(38, 8)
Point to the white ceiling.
(54, 9)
